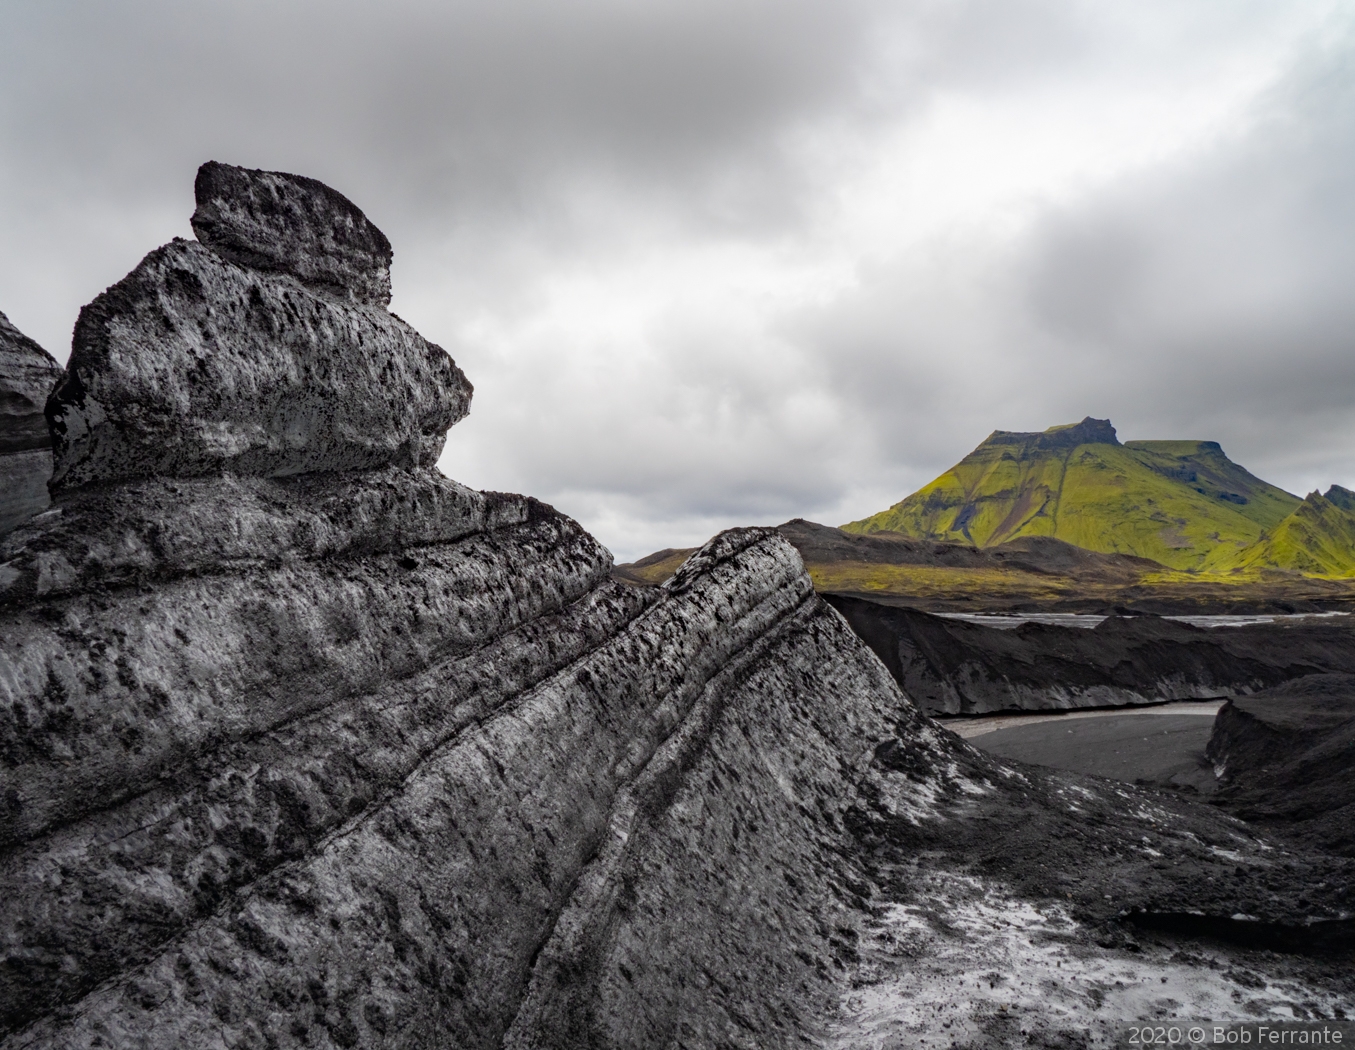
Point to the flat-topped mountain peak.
(1069, 435)
(1182, 503)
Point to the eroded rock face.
(278, 223)
(358, 757)
(200, 363)
(28, 375)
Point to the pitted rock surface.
(28, 374)
(193, 365)
(279, 223)
(164, 528)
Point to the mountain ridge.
(1182, 503)
(1317, 539)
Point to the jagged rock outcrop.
(952, 667)
(270, 222)
(305, 745)
(1088, 432)
(198, 362)
(27, 376)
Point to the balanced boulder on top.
(264, 349)
(280, 223)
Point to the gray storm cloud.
(721, 263)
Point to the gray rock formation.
(272, 222)
(199, 363)
(28, 375)
(307, 746)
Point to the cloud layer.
(717, 263)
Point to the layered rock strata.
(27, 376)
(952, 667)
(307, 746)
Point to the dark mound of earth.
(953, 667)
(1285, 757)
(1027, 574)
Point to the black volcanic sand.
(1288, 761)
(953, 667)
(1143, 747)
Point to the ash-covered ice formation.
(305, 745)
(27, 375)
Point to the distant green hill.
(1182, 503)
(1318, 539)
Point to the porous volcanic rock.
(359, 757)
(951, 666)
(196, 364)
(28, 373)
(278, 223)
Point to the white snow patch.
(916, 802)
(966, 964)
(964, 784)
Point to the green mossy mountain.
(1184, 504)
(1318, 539)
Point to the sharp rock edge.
(305, 745)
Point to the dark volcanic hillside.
(1023, 575)
(305, 745)
(1285, 757)
(951, 667)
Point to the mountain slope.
(1181, 503)
(1318, 539)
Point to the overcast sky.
(716, 262)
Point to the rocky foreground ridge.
(305, 745)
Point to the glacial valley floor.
(1160, 745)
